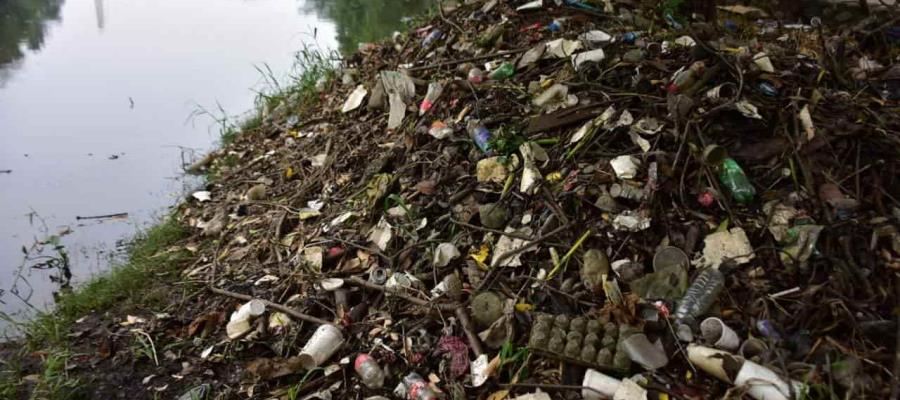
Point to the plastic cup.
(321, 346)
(604, 387)
(719, 335)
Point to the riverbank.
(446, 193)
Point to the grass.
(150, 259)
(280, 97)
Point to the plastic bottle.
(504, 71)
(434, 91)
(702, 293)
(476, 76)
(629, 37)
(479, 134)
(432, 37)
(686, 78)
(732, 176)
(417, 388)
(730, 173)
(556, 25)
(369, 371)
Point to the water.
(95, 105)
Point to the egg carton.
(586, 341)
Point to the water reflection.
(23, 24)
(366, 20)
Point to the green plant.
(55, 382)
(143, 346)
(512, 360)
(505, 142)
(10, 378)
(672, 7)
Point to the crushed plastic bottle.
(431, 38)
(417, 388)
(701, 295)
(767, 89)
(369, 371)
(434, 92)
(479, 134)
(504, 71)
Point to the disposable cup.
(321, 346)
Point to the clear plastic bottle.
(417, 388)
(369, 371)
(701, 295)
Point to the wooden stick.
(287, 310)
(117, 215)
(415, 300)
(466, 324)
(470, 59)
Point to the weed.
(311, 66)
(55, 382)
(672, 8)
(10, 374)
(144, 346)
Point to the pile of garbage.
(596, 199)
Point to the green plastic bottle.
(733, 177)
(504, 71)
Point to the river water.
(99, 104)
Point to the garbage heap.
(567, 199)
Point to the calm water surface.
(96, 98)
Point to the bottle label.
(360, 360)
(415, 388)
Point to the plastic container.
(702, 293)
(480, 135)
(417, 388)
(369, 371)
